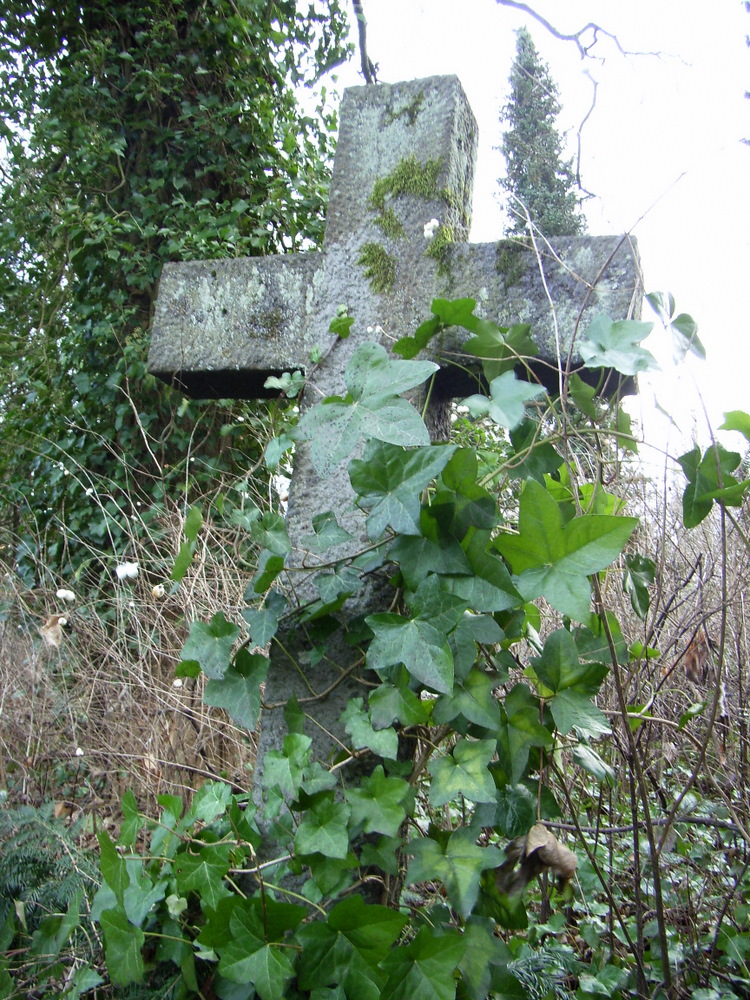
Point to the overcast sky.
(661, 152)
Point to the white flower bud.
(65, 595)
(127, 571)
(431, 228)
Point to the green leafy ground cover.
(445, 871)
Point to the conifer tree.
(537, 175)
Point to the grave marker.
(405, 156)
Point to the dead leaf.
(539, 851)
(52, 632)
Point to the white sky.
(662, 146)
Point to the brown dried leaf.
(52, 632)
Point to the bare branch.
(369, 68)
(577, 36)
(579, 144)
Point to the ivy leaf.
(684, 328)
(458, 863)
(639, 575)
(489, 588)
(335, 587)
(290, 383)
(204, 872)
(328, 532)
(396, 702)
(709, 478)
(432, 603)
(263, 624)
(323, 829)
(416, 644)
(559, 667)
(211, 645)
(418, 556)
(555, 560)
(591, 761)
(473, 698)
(615, 345)
(515, 811)
(573, 684)
(211, 800)
(269, 969)
(583, 395)
(383, 854)
(284, 768)
(341, 325)
(424, 969)
(532, 457)
(238, 691)
(463, 772)
(508, 396)
(390, 480)
(247, 958)
(573, 710)
(377, 804)
(357, 723)
(373, 408)
(275, 448)
(737, 420)
(113, 866)
(269, 567)
(520, 730)
(269, 531)
(482, 950)
(122, 948)
(348, 947)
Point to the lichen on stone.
(511, 260)
(409, 111)
(380, 267)
(389, 222)
(409, 176)
(438, 248)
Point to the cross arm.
(222, 327)
(557, 292)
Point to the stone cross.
(405, 156)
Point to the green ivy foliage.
(276, 894)
(137, 133)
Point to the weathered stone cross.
(405, 156)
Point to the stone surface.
(222, 327)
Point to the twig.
(584, 50)
(369, 68)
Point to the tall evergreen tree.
(537, 175)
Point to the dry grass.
(103, 712)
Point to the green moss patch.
(380, 267)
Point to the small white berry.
(127, 571)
